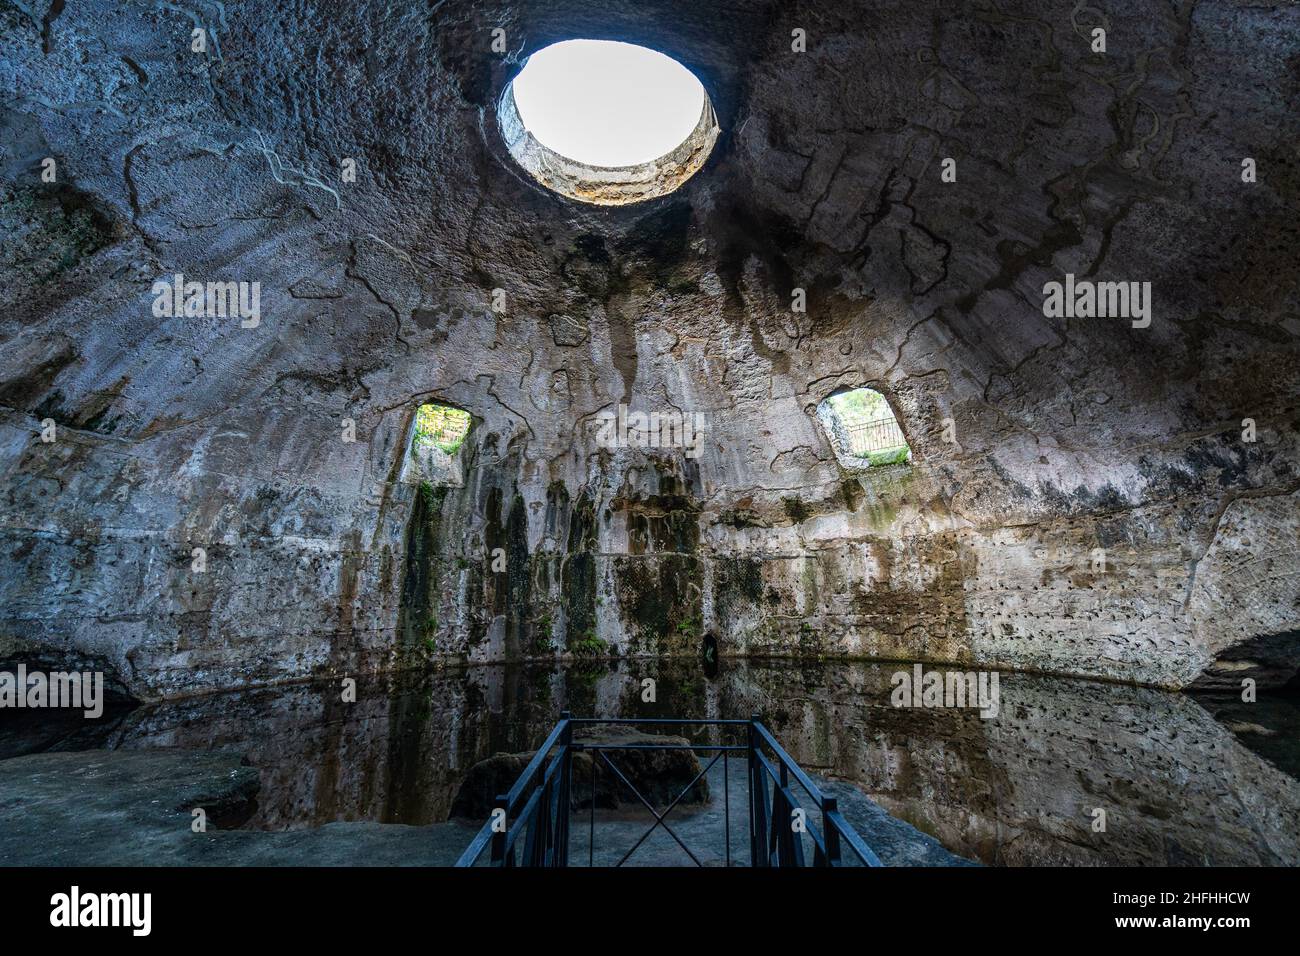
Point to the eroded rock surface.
(445, 273)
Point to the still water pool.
(1176, 779)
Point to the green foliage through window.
(860, 405)
(441, 426)
(868, 427)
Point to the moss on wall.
(418, 605)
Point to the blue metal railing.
(530, 824)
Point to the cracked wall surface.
(1036, 441)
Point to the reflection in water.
(709, 656)
(1022, 788)
(1269, 725)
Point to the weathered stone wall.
(1072, 435)
(1022, 789)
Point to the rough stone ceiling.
(377, 294)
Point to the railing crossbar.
(543, 819)
(530, 807)
(805, 781)
(476, 846)
(789, 804)
(512, 796)
(707, 721)
(659, 817)
(855, 842)
(719, 747)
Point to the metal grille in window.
(440, 426)
(880, 435)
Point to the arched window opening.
(863, 430)
(437, 435)
(439, 426)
